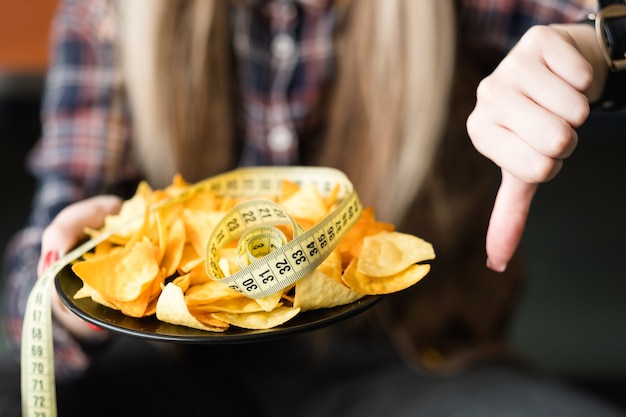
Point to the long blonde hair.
(383, 120)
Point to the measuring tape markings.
(293, 261)
(37, 354)
(37, 362)
(287, 264)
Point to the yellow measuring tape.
(37, 355)
(269, 263)
(38, 389)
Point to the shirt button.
(283, 46)
(280, 139)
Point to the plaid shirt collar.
(284, 56)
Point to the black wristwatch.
(610, 26)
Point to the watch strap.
(610, 26)
(605, 3)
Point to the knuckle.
(514, 63)
(536, 35)
(562, 141)
(580, 111)
(477, 133)
(485, 90)
(472, 126)
(586, 78)
(541, 170)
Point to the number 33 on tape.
(274, 264)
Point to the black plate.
(67, 283)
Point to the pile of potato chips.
(153, 261)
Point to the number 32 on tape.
(284, 265)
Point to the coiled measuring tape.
(269, 263)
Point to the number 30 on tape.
(285, 265)
(263, 272)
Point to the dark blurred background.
(572, 319)
(24, 30)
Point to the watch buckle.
(609, 12)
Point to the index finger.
(68, 227)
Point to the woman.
(145, 89)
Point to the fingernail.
(50, 258)
(94, 327)
(495, 266)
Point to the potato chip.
(169, 213)
(88, 292)
(182, 281)
(208, 320)
(351, 244)
(259, 320)
(388, 253)
(203, 200)
(128, 220)
(173, 248)
(104, 248)
(287, 189)
(198, 275)
(383, 285)
(270, 302)
(141, 306)
(145, 231)
(154, 298)
(306, 203)
(208, 292)
(331, 266)
(189, 259)
(228, 260)
(331, 199)
(171, 308)
(228, 203)
(177, 186)
(240, 304)
(198, 226)
(316, 290)
(123, 275)
(126, 278)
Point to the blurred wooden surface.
(24, 28)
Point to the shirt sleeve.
(84, 150)
(490, 28)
